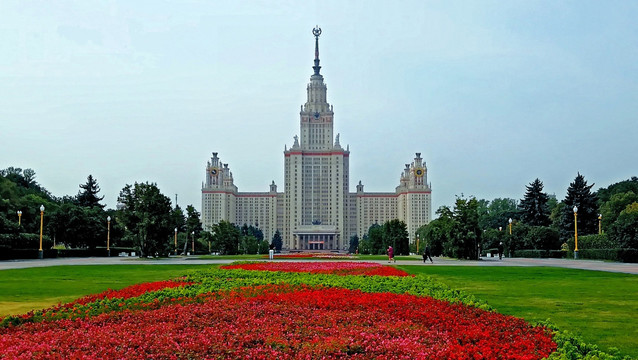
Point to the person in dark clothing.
(500, 250)
(426, 254)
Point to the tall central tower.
(316, 174)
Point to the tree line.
(540, 222)
(145, 221)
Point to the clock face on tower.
(316, 115)
(418, 172)
(214, 171)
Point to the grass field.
(601, 307)
(22, 290)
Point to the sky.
(494, 94)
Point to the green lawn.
(600, 307)
(22, 290)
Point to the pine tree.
(87, 197)
(277, 242)
(579, 194)
(534, 207)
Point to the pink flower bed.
(286, 322)
(338, 268)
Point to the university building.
(316, 210)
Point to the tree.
(534, 205)
(375, 240)
(146, 215)
(354, 244)
(192, 220)
(466, 234)
(579, 194)
(226, 238)
(625, 229)
(87, 196)
(618, 202)
(264, 246)
(247, 230)
(395, 234)
(438, 232)
(492, 237)
(605, 194)
(77, 226)
(249, 245)
(364, 245)
(542, 238)
(277, 242)
(497, 212)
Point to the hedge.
(9, 253)
(540, 254)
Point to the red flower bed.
(312, 256)
(283, 322)
(338, 268)
(131, 291)
(72, 307)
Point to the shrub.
(542, 238)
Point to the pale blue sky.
(493, 93)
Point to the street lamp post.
(575, 232)
(108, 236)
(40, 252)
(510, 245)
(193, 238)
(600, 229)
(417, 244)
(175, 241)
(19, 217)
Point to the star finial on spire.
(316, 32)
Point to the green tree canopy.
(354, 244)
(611, 209)
(375, 240)
(625, 229)
(277, 241)
(146, 215)
(534, 209)
(466, 235)
(88, 194)
(192, 220)
(395, 234)
(605, 194)
(579, 194)
(226, 238)
(494, 214)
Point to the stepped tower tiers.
(316, 174)
(316, 211)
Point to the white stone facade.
(316, 211)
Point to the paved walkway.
(595, 265)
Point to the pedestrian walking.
(391, 254)
(426, 254)
(500, 250)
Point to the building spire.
(316, 32)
